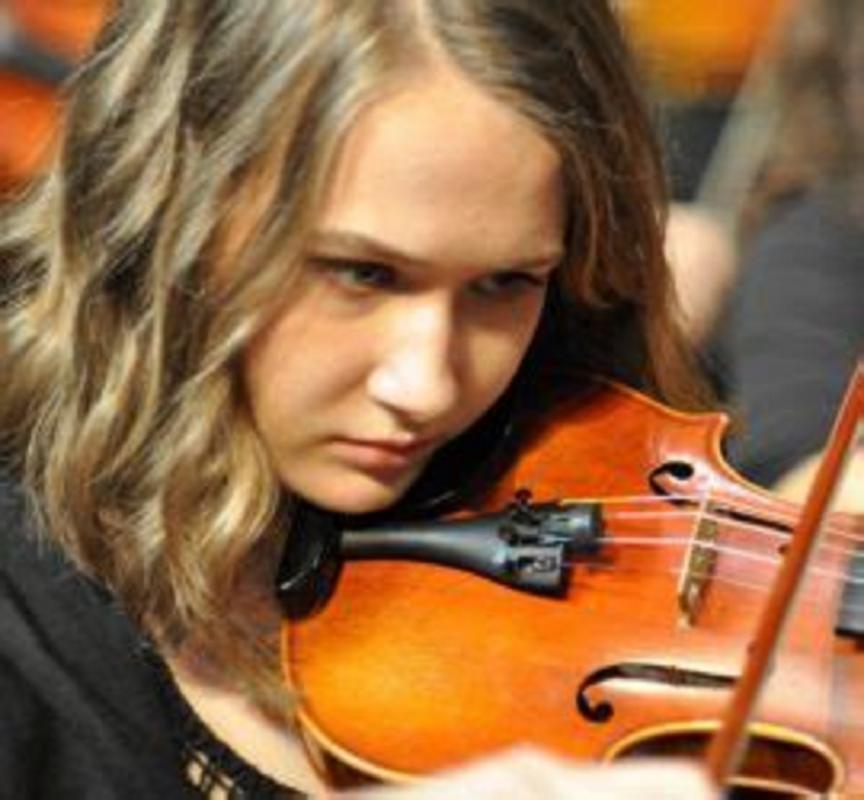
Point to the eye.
(356, 275)
(510, 283)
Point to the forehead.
(439, 163)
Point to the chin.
(356, 493)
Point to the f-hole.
(602, 711)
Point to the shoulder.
(11, 513)
(32, 569)
(78, 692)
(20, 550)
(44, 599)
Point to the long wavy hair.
(122, 409)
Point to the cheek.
(265, 367)
(292, 370)
(497, 356)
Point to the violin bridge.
(697, 570)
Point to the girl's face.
(421, 292)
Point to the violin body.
(415, 667)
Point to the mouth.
(384, 455)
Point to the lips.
(383, 454)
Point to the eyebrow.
(359, 244)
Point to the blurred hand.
(529, 774)
(704, 265)
(849, 497)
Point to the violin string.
(676, 573)
(833, 575)
(851, 608)
(737, 525)
(833, 526)
(727, 526)
(712, 506)
(724, 525)
(836, 523)
(734, 581)
(650, 515)
(745, 555)
(820, 580)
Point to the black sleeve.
(22, 735)
(796, 330)
(81, 716)
(40, 753)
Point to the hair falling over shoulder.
(128, 295)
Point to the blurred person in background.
(702, 60)
(795, 321)
(763, 112)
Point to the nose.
(415, 375)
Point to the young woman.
(289, 250)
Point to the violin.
(39, 44)
(700, 48)
(599, 601)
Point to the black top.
(87, 709)
(794, 330)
